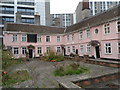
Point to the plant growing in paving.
(71, 69)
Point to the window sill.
(108, 53)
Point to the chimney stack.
(37, 19)
(18, 17)
(85, 9)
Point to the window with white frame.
(88, 33)
(39, 49)
(108, 48)
(72, 37)
(24, 37)
(14, 38)
(107, 28)
(88, 48)
(118, 24)
(58, 49)
(81, 49)
(47, 38)
(15, 51)
(47, 49)
(81, 34)
(73, 49)
(38, 38)
(58, 38)
(119, 48)
(23, 50)
(68, 49)
(68, 38)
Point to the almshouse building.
(97, 36)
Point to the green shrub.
(7, 59)
(18, 76)
(70, 70)
(74, 66)
(51, 55)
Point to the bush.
(70, 70)
(51, 55)
(18, 76)
(7, 59)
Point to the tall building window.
(88, 33)
(39, 50)
(73, 49)
(58, 38)
(38, 38)
(15, 51)
(47, 49)
(24, 38)
(108, 48)
(68, 49)
(81, 49)
(72, 37)
(118, 24)
(107, 28)
(119, 48)
(68, 38)
(88, 48)
(14, 38)
(58, 49)
(80, 34)
(47, 38)
(23, 50)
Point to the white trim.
(46, 38)
(105, 48)
(118, 48)
(25, 36)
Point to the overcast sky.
(66, 6)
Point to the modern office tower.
(62, 20)
(43, 8)
(27, 9)
(95, 7)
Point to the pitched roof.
(91, 21)
(33, 28)
(96, 20)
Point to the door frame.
(97, 50)
(29, 53)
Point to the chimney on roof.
(85, 9)
(37, 19)
(18, 17)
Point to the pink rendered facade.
(78, 41)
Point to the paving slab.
(42, 72)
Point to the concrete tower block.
(37, 19)
(18, 17)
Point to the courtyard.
(43, 77)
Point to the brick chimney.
(85, 9)
(37, 19)
(18, 17)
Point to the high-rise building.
(27, 9)
(62, 20)
(95, 7)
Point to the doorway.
(97, 51)
(64, 52)
(76, 51)
(30, 53)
